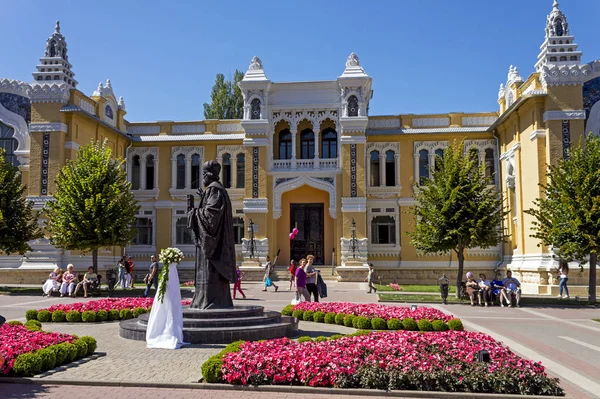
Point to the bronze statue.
(212, 224)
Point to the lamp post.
(251, 241)
(353, 239)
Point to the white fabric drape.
(165, 324)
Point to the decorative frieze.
(47, 127)
(564, 115)
(49, 93)
(15, 87)
(478, 120)
(354, 204)
(188, 129)
(384, 123)
(429, 122)
(143, 129)
(328, 186)
(256, 205)
(45, 161)
(86, 106)
(353, 186)
(255, 152)
(229, 127)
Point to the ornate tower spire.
(54, 66)
(559, 46)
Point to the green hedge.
(14, 323)
(287, 311)
(101, 315)
(348, 320)
(91, 342)
(73, 316)
(211, 369)
(44, 316)
(330, 318)
(28, 364)
(339, 319)
(424, 325)
(308, 315)
(126, 314)
(82, 348)
(48, 358)
(394, 324)
(319, 317)
(31, 314)
(89, 316)
(138, 311)
(305, 338)
(59, 316)
(455, 324)
(439, 325)
(409, 324)
(299, 314)
(377, 323)
(114, 314)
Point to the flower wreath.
(167, 257)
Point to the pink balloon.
(292, 236)
(295, 231)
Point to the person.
(153, 276)
(311, 278)
(292, 270)
(370, 278)
(563, 269)
(51, 285)
(88, 279)
(301, 290)
(512, 286)
(127, 276)
(121, 268)
(485, 288)
(472, 289)
(444, 282)
(238, 284)
(131, 275)
(68, 282)
(268, 272)
(165, 323)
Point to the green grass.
(414, 288)
(525, 301)
(598, 320)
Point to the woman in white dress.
(165, 324)
(51, 285)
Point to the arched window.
(196, 176)
(240, 171)
(474, 155)
(180, 171)
(563, 58)
(490, 170)
(423, 166)
(285, 144)
(439, 157)
(226, 171)
(108, 112)
(307, 144)
(352, 106)
(375, 170)
(135, 172)
(255, 109)
(390, 168)
(8, 143)
(553, 59)
(329, 144)
(150, 172)
(558, 28)
(573, 58)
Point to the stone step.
(263, 319)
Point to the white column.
(129, 167)
(188, 173)
(142, 173)
(382, 160)
(317, 131)
(431, 157)
(294, 132)
(156, 173)
(416, 166)
(397, 168)
(233, 170)
(174, 173)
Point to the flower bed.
(28, 352)
(93, 311)
(402, 360)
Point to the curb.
(271, 388)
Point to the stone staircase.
(282, 274)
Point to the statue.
(212, 225)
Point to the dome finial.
(555, 5)
(57, 27)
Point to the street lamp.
(251, 242)
(353, 239)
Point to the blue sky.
(425, 56)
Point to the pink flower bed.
(445, 361)
(16, 340)
(107, 304)
(374, 310)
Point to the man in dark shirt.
(153, 278)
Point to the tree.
(226, 98)
(18, 224)
(93, 205)
(568, 214)
(456, 209)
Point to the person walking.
(238, 284)
(311, 278)
(563, 269)
(370, 278)
(122, 270)
(292, 269)
(131, 275)
(301, 290)
(152, 277)
(267, 277)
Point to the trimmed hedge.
(44, 316)
(31, 314)
(455, 324)
(439, 325)
(378, 323)
(91, 342)
(114, 314)
(126, 314)
(33, 325)
(330, 318)
(321, 338)
(73, 316)
(394, 324)
(82, 348)
(72, 351)
(339, 319)
(211, 369)
(319, 317)
(28, 364)
(101, 315)
(59, 316)
(363, 323)
(424, 325)
(299, 314)
(308, 315)
(61, 353)
(287, 311)
(48, 358)
(409, 324)
(305, 338)
(89, 316)
(138, 311)
(348, 320)
(14, 323)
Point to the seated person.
(88, 279)
(68, 281)
(512, 286)
(51, 285)
(472, 289)
(485, 289)
(498, 291)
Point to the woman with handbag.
(267, 278)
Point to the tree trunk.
(592, 287)
(95, 260)
(460, 252)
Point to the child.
(238, 284)
(292, 270)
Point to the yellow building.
(308, 155)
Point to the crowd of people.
(67, 282)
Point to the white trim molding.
(48, 127)
(256, 205)
(13, 86)
(143, 129)
(563, 115)
(256, 142)
(510, 152)
(188, 129)
(537, 134)
(354, 204)
(429, 122)
(71, 145)
(478, 120)
(384, 123)
(353, 139)
(325, 184)
(21, 133)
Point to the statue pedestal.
(253, 270)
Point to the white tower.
(54, 66)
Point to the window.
(150, 172)
(240, 171)
(329, 144)
(285, 144)
(180, 171)
(255, 109)
(490, 172)
(474, 155)
(439, 157)
(352, 106)
(8, 143)
(226, 171)
(558, 28)
(573, 58)
(144, 231)
(108, 112)
(383, 230)
(238, 229)
(375, 171)
(183, 235)
(390, 168)
(135, 172)
(563, 58)
(423, 166)
(307, 144)
(196, 171)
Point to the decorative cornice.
(50, 92)
(229, 127)
(187, 152)
(510, 152)
(384, 191)
(406, 201)
(537, 134)
(563, 115)
(256, 142)
(143, 129)
(428, 145)
(571, 75)
(354, 204)
(15, 87)
(229, 149)
(428, 122)
(86, 106)
(187, 137)
(188, 129)
(353, 139)
(384, 123)
(48, 127)
(256, 205)
(478, 120)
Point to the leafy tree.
(226, 98)
(568, 215)
(18, 224)
(456, 209)
(93, 205)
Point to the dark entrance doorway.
(308, 218)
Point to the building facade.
(308, 155)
